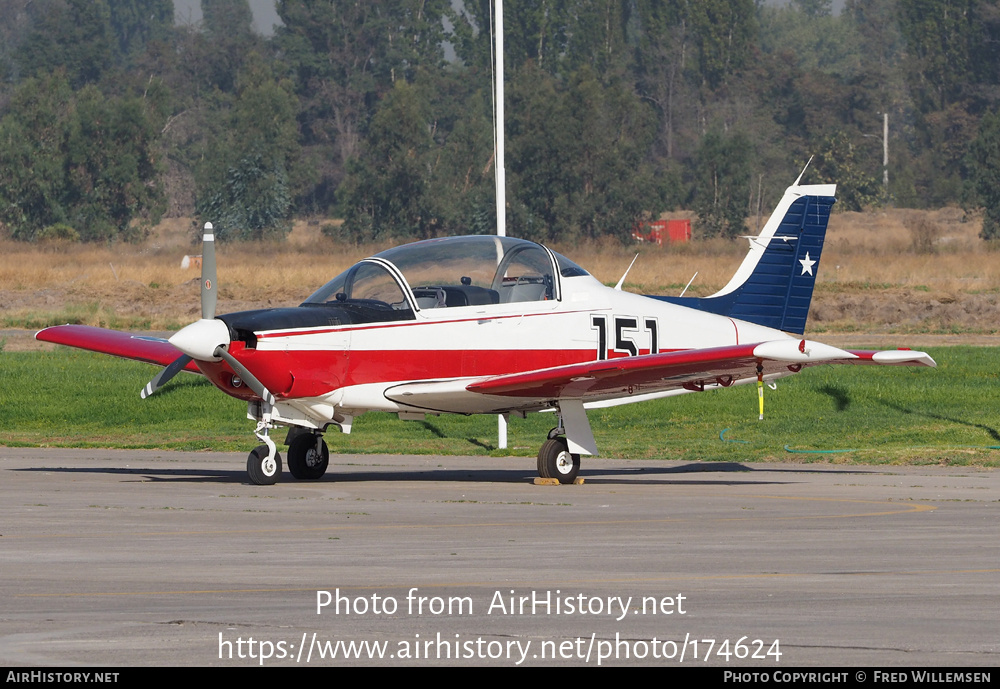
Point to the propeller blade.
(209, 297)
(248, 378)
(166, 374)
(196, 340)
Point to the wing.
(692, 369)
(636, 378)
(152, 350)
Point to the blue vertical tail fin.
(774, 285)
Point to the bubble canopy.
(453, 271)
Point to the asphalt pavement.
(127, 558)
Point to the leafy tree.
(815, 8)
(557, 36)
(663, 40)
(841, 161)
(944, 139)
(227, 18)
(134, 23)
(15, 24)
(82, 159)
(613, 184)
(534, 30)
(112, 167)
(461, 168)
(951, 47)
(73, 35)
(540, 147)
(251, 200)
(881, 49)
(246, 179)
(596, 37)
(345, 56)
(386, 192)
(722, 189)
(819, 41)
(983, 164)
(579, 157)
(724, 33)
(32, 134)
(226, 44)
(83, 37)
(611, 108)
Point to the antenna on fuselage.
(689, 283)
(622, 281)
(799, 178)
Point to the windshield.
(366, 283)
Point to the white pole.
(500, 172)
(885, 154)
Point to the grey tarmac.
(140, 557)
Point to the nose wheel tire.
(263, 471)
(556, 461)
(304, 461)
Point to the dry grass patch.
(892, 270)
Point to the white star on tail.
(807, 265)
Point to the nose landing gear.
(264, 463)
(263, 467)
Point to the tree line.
(380, 112)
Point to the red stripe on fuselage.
(379, 366)
(310, 373)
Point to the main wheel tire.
(556, 461)
(262, 471)
(304, 462)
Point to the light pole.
(500, 171)
(885, 153)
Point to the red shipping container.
(658, 230)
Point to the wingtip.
(904, 356)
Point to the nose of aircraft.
(206, 339)
(201, 339)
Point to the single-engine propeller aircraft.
(494, 325)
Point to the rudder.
(773, 286)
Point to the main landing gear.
(308, 456)
(556, 461)
(308, 459)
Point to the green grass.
(946, 415)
